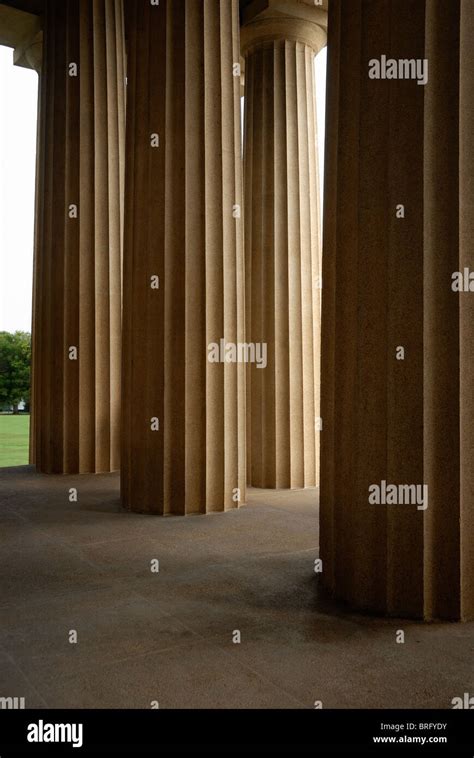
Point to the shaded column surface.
(183, 434)
(77, 270)
(397, 340)
(282, 244)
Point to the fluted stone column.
(397, 341)
(282, 243)
(183, 434)
(77, 274)
(449, 316)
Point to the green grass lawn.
(14, 440)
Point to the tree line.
(15, 370)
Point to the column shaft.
(387, 285)
(466, 306)
(183, 445)
(77, 277)
(282, 242)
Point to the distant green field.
(14, 440)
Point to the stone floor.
(168, 636)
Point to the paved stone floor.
(168, 636)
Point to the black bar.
(146, 732)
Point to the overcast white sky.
(18, 100)
(18, 97)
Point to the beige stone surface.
(466, 306)
(15, 25)
(387, 283)
(183, 226)
(282, 243)
(77, 269)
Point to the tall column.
(77, 273)
(396, 339)
(183, 434)
(449, 316)
(282, 243)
